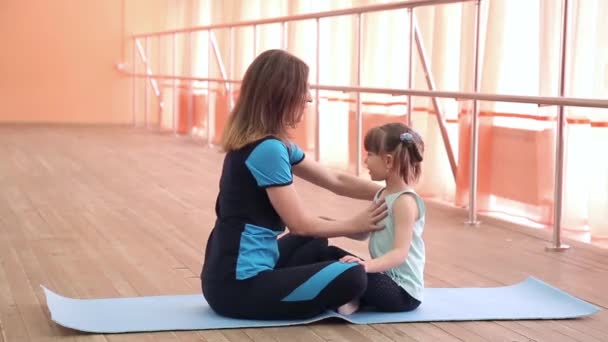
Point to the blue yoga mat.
(530, 299)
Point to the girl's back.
(409, 274)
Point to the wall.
(58, 58)
(57, 61)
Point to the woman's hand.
(288, 205)
(369, 219)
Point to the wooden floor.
(109, 211)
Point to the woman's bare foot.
(349, 308)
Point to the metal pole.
(159, 85)
(538, 100)
(160, 56)
(209, 141)
(358, 76)
(218, 59)
(559, 148)
(284, 35)
(438, 112)
(410, 75)
(134, 93)
(190, 91)
(393, 5)
(173, 67)
(146, 85)
(231, 69)
(255, 40)
(317, 81)
(474, 148)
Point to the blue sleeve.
(269, 163)
(296, 155)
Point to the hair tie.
(406, 137)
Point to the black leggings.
(301, 285)
(381, 294)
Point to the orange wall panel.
(57, 61)
(58, 58)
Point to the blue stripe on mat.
(530, 299)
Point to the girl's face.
(379, 165)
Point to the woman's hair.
(403, 143)
(272, 98)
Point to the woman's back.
(243, 242)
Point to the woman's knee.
(335, 253)
(290, 242)
(357, 277)
(351, 284)
(345, 287)
(320, 244)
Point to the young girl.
(395, 272)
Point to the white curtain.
(586, 174)
(519, 55)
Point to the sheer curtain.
(519, 55)
(517, 141)
(586, 174)
(190, 58)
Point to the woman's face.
(305, 106)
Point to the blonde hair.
(403, 143)
(272, 98)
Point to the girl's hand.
(351, 258)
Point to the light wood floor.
(109, 211)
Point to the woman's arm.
(287, 203)
(337, 182)
(405, 212)
(358, 236)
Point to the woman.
(248, 272)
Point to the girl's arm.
(339, 183)
(287, 203)
(405, 212)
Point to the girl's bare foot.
(349, 308)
